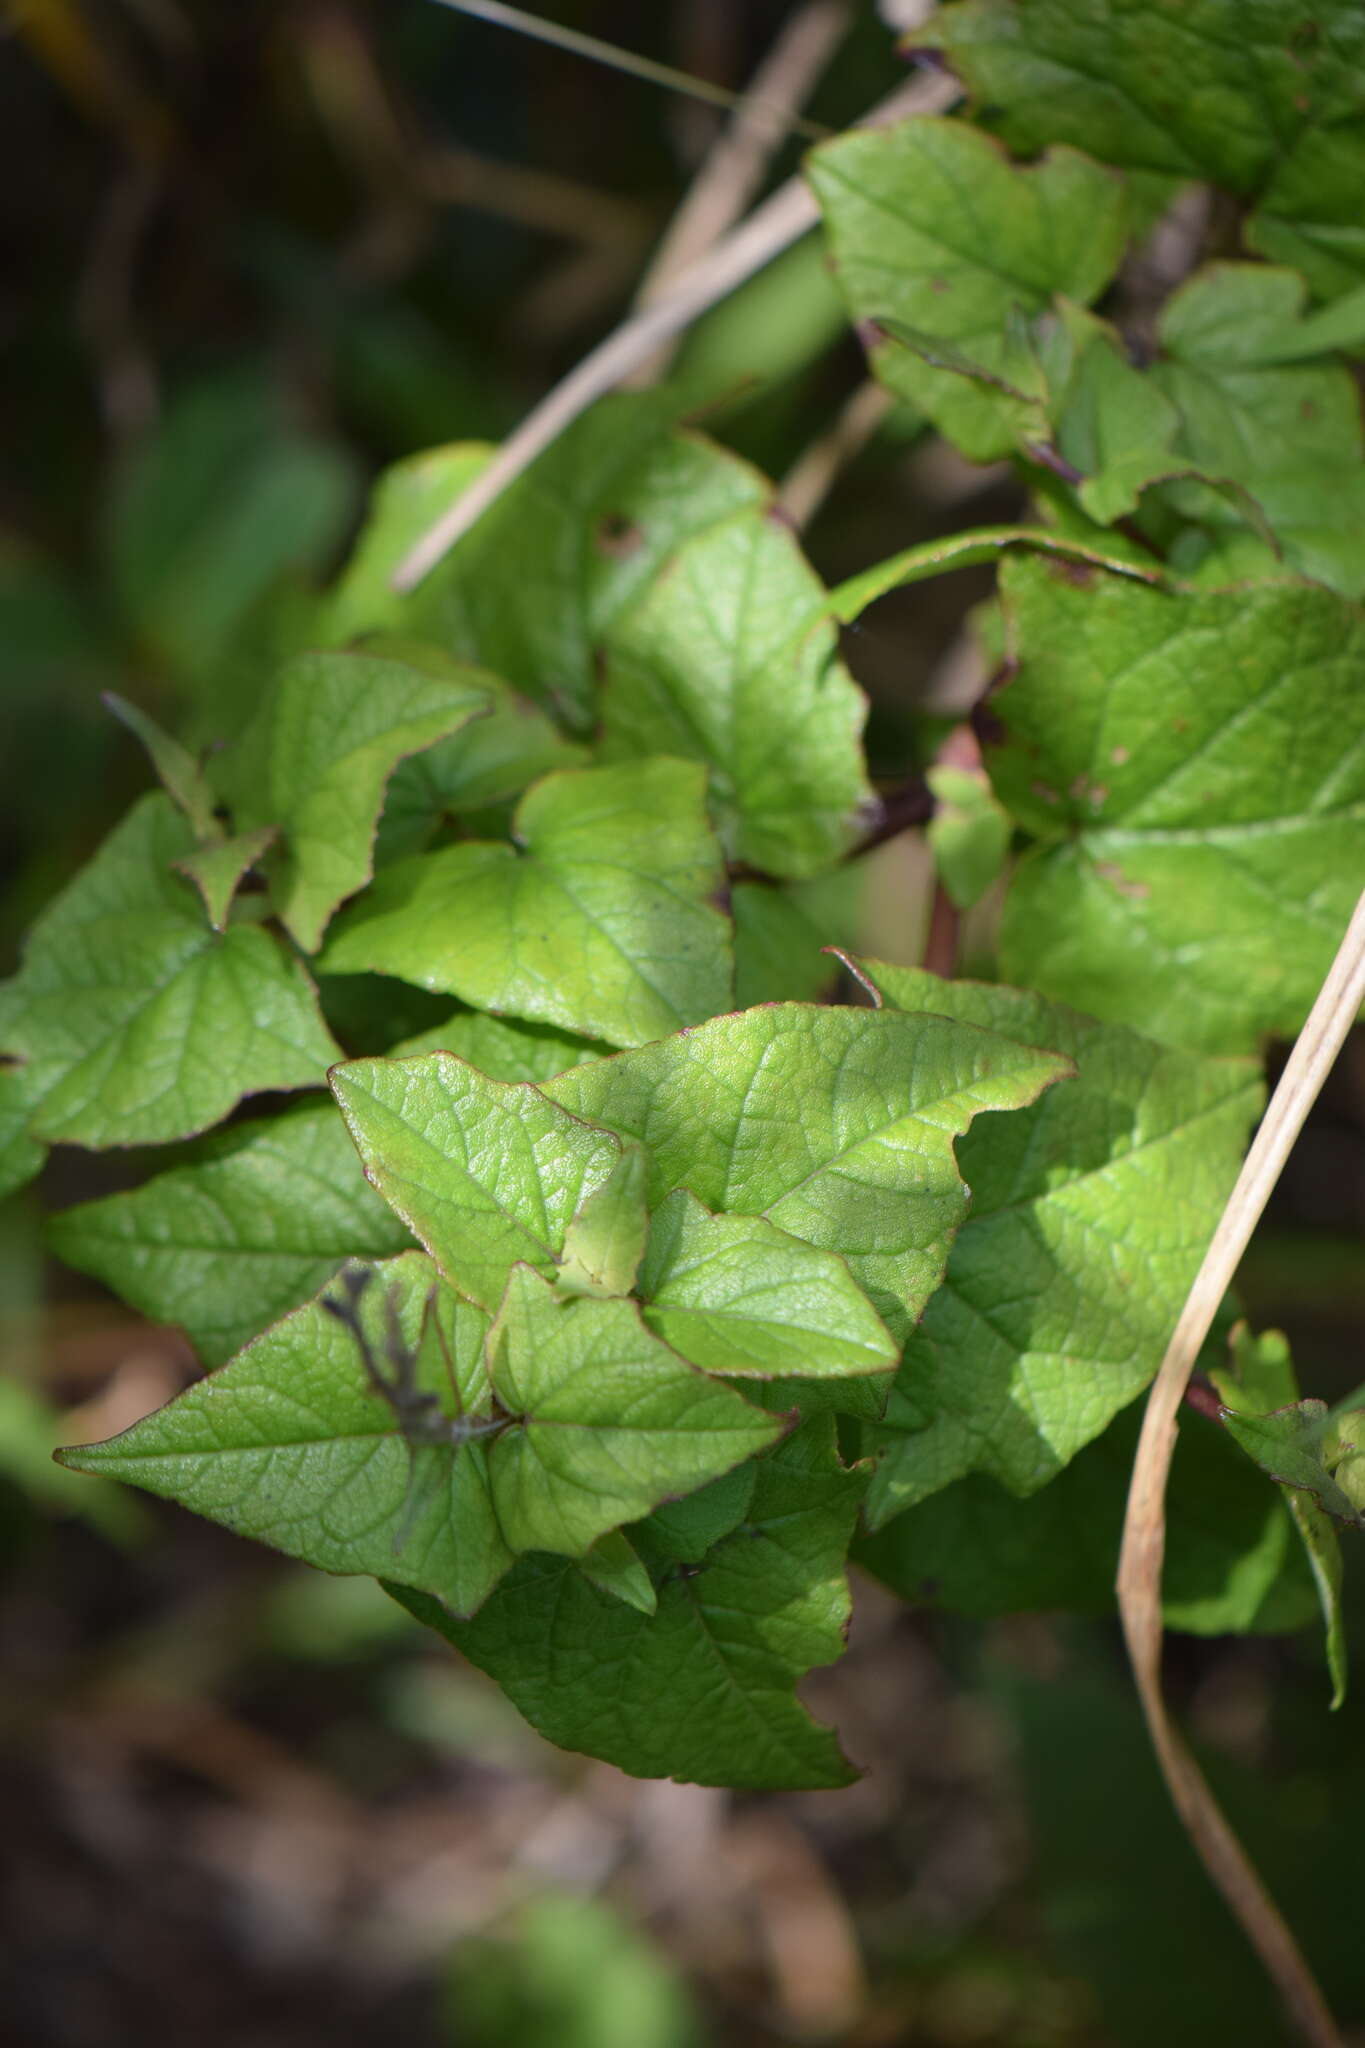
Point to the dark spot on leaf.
(778, 515)
(1081, 574)
(1180, 725)
(618, 537)
(1044, 794)
(938, 284)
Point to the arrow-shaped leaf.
(136, 1021)
(611, 1421)
(291, 1444)
(837, 1125)
(315, 761)
(738, 1296)
(703, 1690)
(600, 920)
(486, 1173)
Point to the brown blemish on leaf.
(1119, 756)
(1043, 793)
(1118, 881)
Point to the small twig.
(734, 168)
(900, 809)
(808, 481)
(611, 54)
(1144, 1529)
(781, 220)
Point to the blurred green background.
(256, 252)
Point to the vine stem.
(790, 213)
(1144, 1529)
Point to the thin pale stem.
(773, 227)
(1144, 1529)
(613, 55)
(734, 167)
(809, 480)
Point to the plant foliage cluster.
(606, 1317)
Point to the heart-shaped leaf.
(600, 920)
(837, 1125)
(486, 1173)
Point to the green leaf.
(220, 504)
(599, 920)
(702, 1690)
(1195, 767)
(1289, 1446)
(1113, 424)
(291, 1444)
(21, 1157)
(260, 1221)
(216, 868)
(782, 935)
(730, 660)
(836, 1124)
(486, 1173)
(613, 1567)
(1100, 550)
(179, 774)
(968, 834)
(137, 1021)
(738, 1296)
(1090, 1214)
(509, 745)
(534, 588)
(1217, 89)
(1255, 410)
(315, 761)
(605, 1242)
(1232, 1564)
(930, 224)
(503, 1048)
(608, 1420)
(1309, 214)
(1260, 1379)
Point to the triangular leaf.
(836, 1124)
(137, 1021)
(532, 590)
(260, 1221)
(613, 1567)
(697, 669)
(217, 866)
(315, 762)
(1259, 1383)
(179, 774)
(292, 1445)
(738, 1296)
(486, 1173)
(1090, 1213)
(931, 225)
(1195, 768)
(703, 1690)
(605, 1242)
(610, 1420)
(599, 921)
